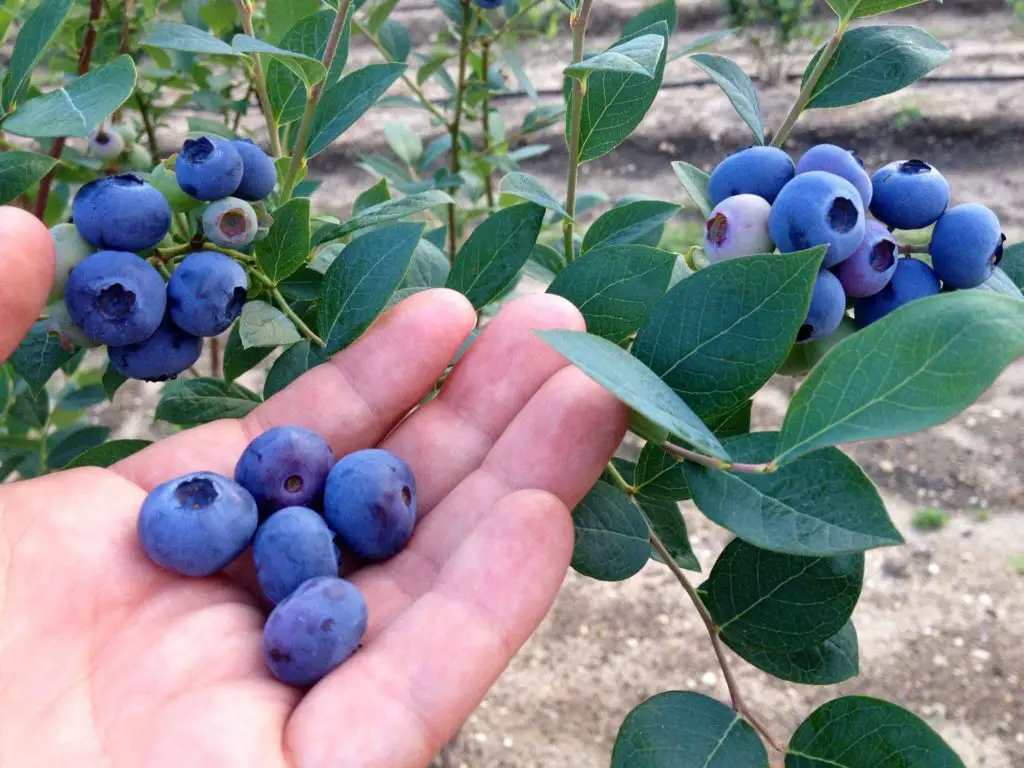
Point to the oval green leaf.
(1013, 264)
(286, 247)
(19, 171)
(532, 189)
(611, 535)
(831, 661)
(33, 41)
(348, 100)
(108, 453)
(660, 475)
(695, 184)
(627, 223)
(859, 9)
(262, 325)
(38, 356)
(184, 37)
(238, 359)
(737, 86)
(634, 56)
(383, 212)
(191, 402)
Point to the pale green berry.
(59, 323)
(69, 248)
(164, 179)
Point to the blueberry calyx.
(717, 228)
(805, 332)
(842, 216)
(196, 151)
(997, 254)
(116, 302)
(196, 492)
(914, 167)
(883, 256)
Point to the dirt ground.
(941, 620)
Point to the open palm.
(105, 659)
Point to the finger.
(26, 274)
(500, 372)
(425, 675)
(353, 400)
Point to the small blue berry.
(314, 630)
(909, 194)
(168, 352)
(370, 502)
(738, 226)
(818, 208)
(285, 467)
(967, 243)
(230, 223)
(844, 163)
(259, 176)
(206, 293)
(208, 168)
(761, 171)
(913, 279)
(293, 546)
(490, 3)
(197, 524)
(116, 297)
(827, 308)
(871, 266)
(121, 213)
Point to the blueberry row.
(292, 502)
(763, 201)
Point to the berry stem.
(298, 157)
(808, 88)
(485, 63)
(578, 23)
(259, 79)
(908, 248)
(684, 454)
(460, 95)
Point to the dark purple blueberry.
(285, 467)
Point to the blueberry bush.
(809, 266)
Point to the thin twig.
(908, 248)
(460, 94)
(578, 23)
(485, 62)
(215, 356)
(685, 454)
(259, 79)
(147, 124)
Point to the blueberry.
(138, 159)
(121, 213)
(166, 353)
(738, 226)
(116, 297)
(209, 168)
(967, 243)
(206, 293)
(828, 305)
(127, 131)
(197, 524)
(106, 145)
(293, 546)
(166, 182)
(370, 502)
(909, 194)
(843, 163)
(60, 324)
(490, 3)
(761, 171)
(285, 467)
(913, 279)
(314, 630)
(818, 208)
(69, 249)
(230, 223)
(259, 176)
(870, 267)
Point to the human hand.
(106, 659)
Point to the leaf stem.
(618, 480)
(302, 137)
(578, 23)
(259, 80)
(807, 90)
(684, 454)
(485, 63)
(455, 125)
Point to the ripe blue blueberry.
(116, 297)
(230, 223)
(69, 249)
(121, 213)
(844, 163)
(909, 194)
(818, 208)
(259, 176)
(490, 3)
(967, 243)
(293, 546)
(738, 226)
(314, 630)
(870, 267)
(208, 168)
(168, 352)
(761, 171)
(206, 293)
(913, 279)
(828, 305)
(370, 502)
(197, 524)
(106, 145)
(285, 467)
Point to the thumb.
(26, 274)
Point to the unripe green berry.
(164, 179)
(126, 131)
(59, 323)
(138, 159)
(69, 249)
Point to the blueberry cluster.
(291, 501)
(112, 295)
(764, 201)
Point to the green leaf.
(831, 661)
(286, 247)
(309, 69)
(859, 9)
(189, 402)
(615, 287)
(74, 443)
(627, 223)
(389, 210)
(681, 729)
(737, 86)
(108, 453)
(286, 90)
(916, 367)
(183, 37)
(634, 56)
(663, 11)
(34, 40)
(19, 171)
(611, 535)
(999, 282)
(719, 335)
(395, 39)
(861, 732)
(38, 356)
(1013, 264)
(358, 284)
(31, 408)
(203, 126)
(404, 142)
(615, 103)
(112, 381)
(292, 363)
(874, 61)
(532, 189)
(429, 268)
(695, 183)
(666, 520)
(284, 15)
(78, 108)
(82, 398)
(490, 259)
(238, 359)
(545, 263)
(262, 325)
(368, 198)
(635, 384)
(348, 100)
(820, 504)
(660, 475)
(700, 43)
(781, 602)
